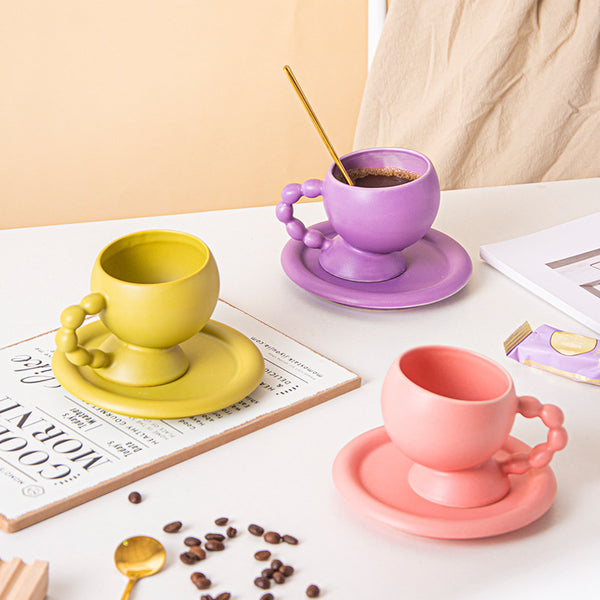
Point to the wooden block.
(19, 581)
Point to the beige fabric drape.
(494, 92)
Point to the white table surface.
(280, 476)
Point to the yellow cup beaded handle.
(66, 337)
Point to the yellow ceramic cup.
(153, 290)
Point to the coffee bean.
(231, 532)
(192, 541)
(290, 539)
(268, 573)
(187, 558)
(215, 536)
(312, 591)
(172, 527)
(287, 570)
(223, 596)
(272, 537)
(197, 551)
(221, 521)
(275, 564)
(135, 497)
(262, 555)
(214, 545)
(206, 597)
(267, 596)
(262, 582)
(278, 577)
(202, 584)
(255, 529)
(200, 581)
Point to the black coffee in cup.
(375, 177)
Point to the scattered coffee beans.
(172, 527)
(214, 545)
(276, 573)
(192, 541)
(262, 555)
(290, 539)
(272, 537)
(135, 497)
(255, 529)
(200, 580)
(263, 583)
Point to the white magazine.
(560, 264)
(57, 451)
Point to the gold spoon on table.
(316, 123)
(137, 557)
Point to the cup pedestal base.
(142, 367)
(346, 262)
(470, 488)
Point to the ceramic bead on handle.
(66, 337)
(541, 455)
(290, 194)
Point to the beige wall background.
(126, 108)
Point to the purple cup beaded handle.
(541, 455)
(291, 193)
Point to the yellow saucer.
(225, 366)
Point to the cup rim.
(509, 384)
(119, 244)
(335, 181)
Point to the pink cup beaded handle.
(541, 455)
(290, 194)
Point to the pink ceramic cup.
(450, 411)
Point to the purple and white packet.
(567, 354)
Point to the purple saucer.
(437, 268)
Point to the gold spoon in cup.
(137, 557)
(319, 127)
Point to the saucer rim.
(246, 353)
(368, 295)
(485, 522)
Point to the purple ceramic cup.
(373, 225)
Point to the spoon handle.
(130, 584)
(316, 123)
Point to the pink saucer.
(370, 473)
